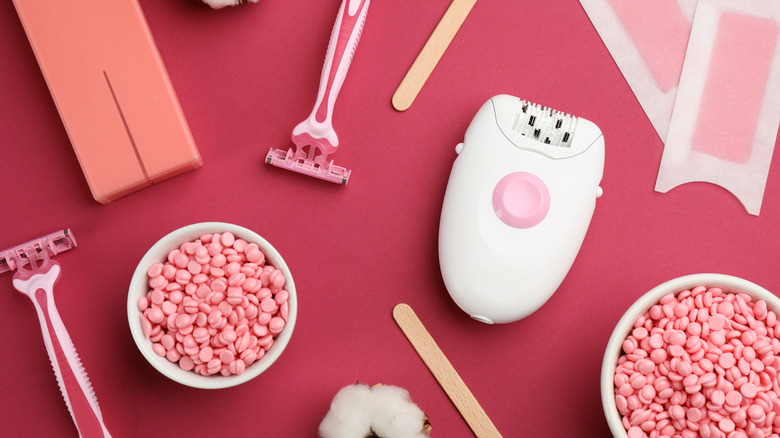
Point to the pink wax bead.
(181, 260)
(277, 279)
(229, 335)
(733, 398)
(727, 360)
(168, 308)
(236, 279)
(183, 276)
(206, 354)
(685, 369)
(226, 356)
(239, 245)
(154, 270)
(726, 309)
(225, 308)
(175, 297)
(249, 357)
(159, 349)
(182, 320)
(215, 317)
(143, 303)
(200, 335)
(726, 425)
(748, 390)
(218, 260)
(717, 322)
(265, 341)
(228, 239)
(146, 326)
(214, 366)
(276, 325)
(214, 248)
(217, 272)
(264, 293)
(167, 341)
(243, 342)
(173, 355)
(254, 254)
(760, 309)
(251, 285)
(232, 268)
(158, 282)
(188, 248)
(260, 330)
(756, 413)
(265, 276)
(169, 271)
(677, 337)
(237, 367)
(194, 267)
(155, 337)
(219, 284)
(268, 305)
(155, 315)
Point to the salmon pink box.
(112, 92)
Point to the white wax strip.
(727, 109)
(647, 40)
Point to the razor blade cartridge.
(288, 160)
(50, 244)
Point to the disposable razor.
(314, 138)
(35, 276)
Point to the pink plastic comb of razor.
(316, 131)
(35, 276)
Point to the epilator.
(519, 200)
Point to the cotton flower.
(217, 4)
(381, 411)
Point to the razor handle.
(74, 384)
(341, 48)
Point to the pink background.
(245, 77)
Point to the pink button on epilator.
(521, 200)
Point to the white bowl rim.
(156, 253)
(728, 283)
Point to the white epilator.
(518, 203)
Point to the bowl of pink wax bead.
(212, 305)
(697, 356)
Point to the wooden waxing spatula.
(444, 372)
(430, 54)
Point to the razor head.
(288, 160)
(51, 244)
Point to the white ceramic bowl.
(624, 326)
(138, 287)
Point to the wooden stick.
(431, 53)
(443, 371)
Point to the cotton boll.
(384, 411)
(350, 413)
(218, 4)
(395, 416)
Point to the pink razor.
(35, 276)
(316, 131)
